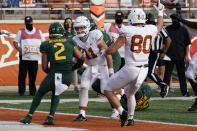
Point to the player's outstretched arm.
(114, 47)
(160, 10)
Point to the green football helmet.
(56, 29)
(93, 24)
(143, 97)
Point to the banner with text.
(9, 56)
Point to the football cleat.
(115, 114)
(164, 91)
(123, 118)
(49, 121)
(80, 118)
(194, 106)
(27, 119)
(130, 122)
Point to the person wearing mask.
(157, 52)
(178, 53)
(27, 43)
(191, 71)
(69, 32)
(112, 29)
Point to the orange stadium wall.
(9, 56)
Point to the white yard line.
(17, 126)
(91, 99)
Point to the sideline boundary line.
(93, 99)
(156, 122)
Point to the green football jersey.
(59, 52)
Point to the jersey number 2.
(138, 44)
(62, 48)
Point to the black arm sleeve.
(78, 64)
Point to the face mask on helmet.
(81, 31)
(56, 30)
(81, 26)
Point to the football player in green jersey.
(59, 51)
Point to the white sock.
(83, 112)
(120, 110)
(130, 117)
(83, 97)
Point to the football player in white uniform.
(191, 74)
(137, 38)
(92, 43)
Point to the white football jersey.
(91, 48)
(191, 72)
(138, 42)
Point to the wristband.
(111, 71)
(160, 13)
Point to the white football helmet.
(137, 16)
(81, 26)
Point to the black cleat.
(123, 118)
(187, 94)
(164, 91)
(130, 122)
(27, 119)
(49, 121)
(80, 118)
(194, 106)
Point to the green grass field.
(173, 111)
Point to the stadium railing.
(59, 9)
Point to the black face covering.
(29, 27)
(119, 21)
(176, 24)
(150, 22)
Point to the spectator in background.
(178, 53)
(27, 43)
(69, 32)
(170, 4)
(157, 52)
(191, 72)
(112, 29)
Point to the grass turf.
(174, 111)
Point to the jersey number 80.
(140, 42)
